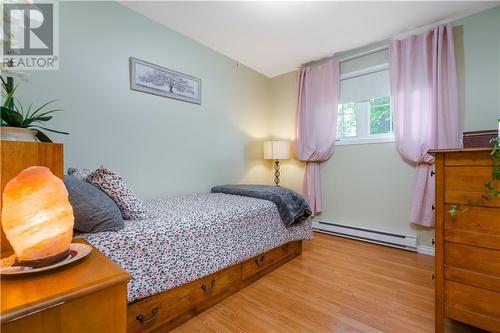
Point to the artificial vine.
(491, 191)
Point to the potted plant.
(18, 123)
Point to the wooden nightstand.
(89, 296)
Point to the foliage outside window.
(346, 123)
(380, 115)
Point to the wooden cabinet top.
(459, 150)
(23, 295)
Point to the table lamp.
(277, 150)
(37, 217)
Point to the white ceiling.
(274, 37)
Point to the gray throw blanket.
(291, 206)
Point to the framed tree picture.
(153, 79)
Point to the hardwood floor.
(337, 285)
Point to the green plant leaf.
(44, 114)
(454, 210)
(9, 98)
(42, 136)
(37, 119)
(48, 129)
(11, 117)
(44, 117)
(496, 173)
(41, 107)
(4, 83)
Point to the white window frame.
(363, 128)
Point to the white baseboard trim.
(406, 242)
(427, 250)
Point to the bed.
(196, 250)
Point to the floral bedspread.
(192, 236)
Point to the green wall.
(478, 65)
(161, 146)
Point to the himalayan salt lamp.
(37, 217)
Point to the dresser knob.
(433, 207)
(433, 277)
(259, 261)
(144, 320)
(432, 173)
(208, 289)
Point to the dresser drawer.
(482, 158)
(102, 311)
(479, 226)
(256, 264)
(476, 306)
(472, 258)
(472, 278)
(464, 184)
(168, 305)
(476, 219)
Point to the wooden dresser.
(468, 244)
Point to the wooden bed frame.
(164, 311)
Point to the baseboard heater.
(405, 242)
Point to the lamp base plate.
(47, 261)
(76, 252)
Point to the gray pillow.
(94, 211)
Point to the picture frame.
(153, 79)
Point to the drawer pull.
(433, 173)
(259, 261)
(285, 247)
(144, 320)
(208, 289)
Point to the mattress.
(192, 236)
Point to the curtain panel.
(425, 103)
(318, 88)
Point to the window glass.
(346, 123)
(380, 115)
(366, 121)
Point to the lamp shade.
(37, 217)
(277, 150)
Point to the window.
(364, 113)
(366, 121)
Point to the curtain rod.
(372, 49)
(354, 55)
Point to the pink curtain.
(425, 101)
(316, 126)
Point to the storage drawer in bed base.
(167, 310)
(258, 263)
